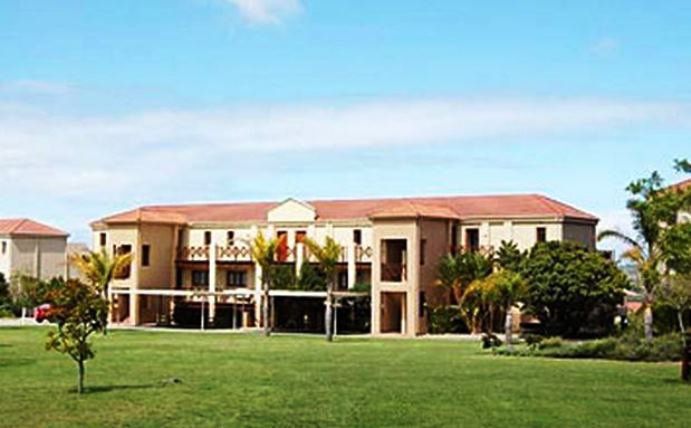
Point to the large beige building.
(32, 248)
(188, 253)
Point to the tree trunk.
(265, 311)
(80, 377)
(680, 318)
(508, 329)
(328, 316)
(648, 323)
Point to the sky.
(105, 106)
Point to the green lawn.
(246, 380)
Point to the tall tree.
(264, 254)
(327, 256)
(661, 242)
(457, 272)
(568, 285)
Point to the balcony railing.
(283, 254)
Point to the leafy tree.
(100, 268)
(509, 257)
(283, 277)
(510, 289)
(676, 293)
(312, 278)
(567, 284)
(264, 254)
(79, 310)
(327, 255)
(5, 297)
(661, 243)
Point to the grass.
(247, 380)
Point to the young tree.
(79, 310)
(509, 257)
(264, 254)
(662, 242)
(327, 255)
(567, 284)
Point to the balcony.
(243, 253)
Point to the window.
(282, 250)
(393, 260)
(541, 234)
(300, 236)
(422, 304)
(423, 249)
(102, 239)
(207, 238)
(146, 255)
(357, 236)
(124, 273)
(343, 280)
(200, 278)
(237, 278)
(472, 240)
(230, 238)
(4, 247)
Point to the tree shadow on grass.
(111, 388)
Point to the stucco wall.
(6, 257)
(581, 233)
(435, 233)
(116, 236)
(159, 273)
(42, 257)
(523, 233)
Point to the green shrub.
(446, 319)
(550, 342)
(312, 278)
(362, 287)
(532, 340)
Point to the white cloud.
(97, 155)
(266, 11)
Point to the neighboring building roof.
(683, 185)
(453, 207)
(28, 227)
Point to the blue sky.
(109, 105)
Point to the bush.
(312, 278)
(627, 348)
(446, 319)
(532, 340)
(490, 340)
(550, 342)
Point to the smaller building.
(32, 248)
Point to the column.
(352, 271)
(134, 308)
(257, 294)
(299, 257)
(212, 281)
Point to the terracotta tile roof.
(683, 185)
(28, 227)
(454, 207)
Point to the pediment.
(292, 211)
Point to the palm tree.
(654, 210)
(327, 256)
(264, 254)
(457, 272)
(510, 287)
(100, 268)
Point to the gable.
(292, 211)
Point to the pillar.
(299, 257)
(212, 281)
(352, 271)
(134, 308)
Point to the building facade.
(31, 248)
(201, 253)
